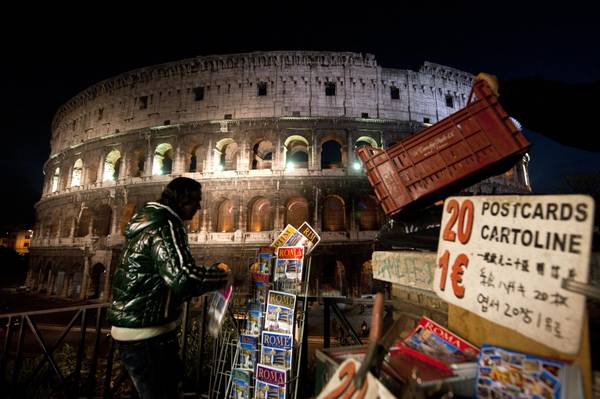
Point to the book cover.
(276, 350)
(248, 351)
(434, 344)
(280, 312)
(270, 382)
(503, 373)
(241, 383)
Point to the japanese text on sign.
(504, 258)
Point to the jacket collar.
(158, 204)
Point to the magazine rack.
(226, 351)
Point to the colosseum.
(271, 137)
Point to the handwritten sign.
(408, 268)
(341, 385)
(504, 258)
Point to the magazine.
(248, 351)
(434, 344)
(276, 350)
(505, 373)
(241, 383)
(217, 308)
(280, 312)
(270, 382)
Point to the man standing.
(156, 274)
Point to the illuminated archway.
(334, 213)
(260, 215)
(162, 163)
(331, 155)
(225, 216)
(77, 173)
(225, 155)
(296, 152)
(112, 166)
(296, 211)
(262, 155)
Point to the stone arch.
(102, 220)
(226, 153)
(195, 159)
(334, 213)
(296, 211)
(296, 152)
(225, 216)
(262, 155)
(83, 223)
(365, 140)
(97, 276)
(55, 180)
(137, 162)
(260, 215)
(193, 226)
(112, 166)
(368, 213)
(162, 162)
(331, 155)
(77, 174)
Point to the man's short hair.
(179, 191)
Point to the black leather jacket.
(157, 272)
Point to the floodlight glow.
(218, 167)
(290, 166)
(357, 166)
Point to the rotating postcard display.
(266, 363)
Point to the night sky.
(50, 57)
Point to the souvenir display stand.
(260, 353)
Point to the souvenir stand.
(260, 355)
(512, 269)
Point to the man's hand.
(491, 80)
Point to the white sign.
(341, 385)
(408, 268)
(504, 258)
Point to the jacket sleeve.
(176, 265)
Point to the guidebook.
(280, 312)
(276, 350)
(504, 373)
(432, 343)
(270, 382)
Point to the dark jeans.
(154, 365)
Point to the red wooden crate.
(467, 146)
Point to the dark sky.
(50, 57)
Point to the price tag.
(504, 258)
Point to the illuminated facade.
(270, 136)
